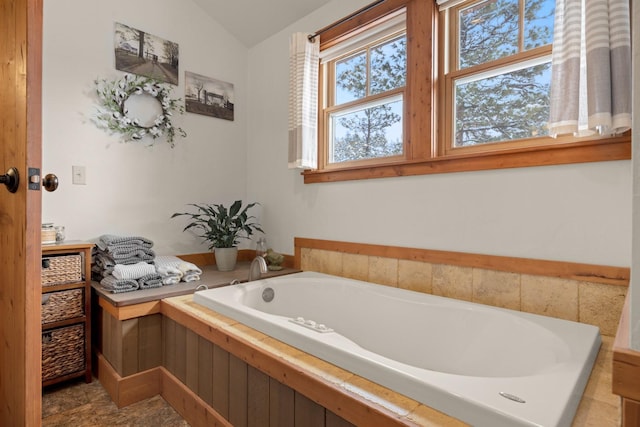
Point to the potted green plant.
(222, 228)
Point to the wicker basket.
(63, 351)
(62, 305)
(61, 269)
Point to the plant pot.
(226, 258)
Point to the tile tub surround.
(581, 293)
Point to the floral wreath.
(112, 114)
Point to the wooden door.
(20, 213)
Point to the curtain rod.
(312, 37)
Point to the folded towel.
(107, 241)
(167, 261)
(190, 272)
(153, 280)
(103, 260)
(170, 275)
(171, 280)
(116, 286)
(190, 277)
(126, 253)
(133, 271)
(189, 268)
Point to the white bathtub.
(484, 365)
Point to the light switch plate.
(79, 175)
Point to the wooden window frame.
(327, 104)
(424, 153)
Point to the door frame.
(20, 213)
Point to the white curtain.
(591, 68)
(303, 101)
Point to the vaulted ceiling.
(252, 21)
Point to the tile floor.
(79, 404)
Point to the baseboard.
(191, 407)
(130, 389)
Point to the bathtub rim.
(484, 416)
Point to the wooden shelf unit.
(80, 322)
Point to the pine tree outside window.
(498, 77)
(364, 97)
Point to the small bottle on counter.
(261, 247)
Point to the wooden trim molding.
(616, 149)
(130, 389)
(130, 311)
(626, 367)
(207, 258)
(630, 413)
(568, 270)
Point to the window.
(364, 96)
(497, 74)
(407, 89)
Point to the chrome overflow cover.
(268, 294)
(512, 397)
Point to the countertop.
(210, 277)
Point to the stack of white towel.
(127, 263)
(173, 270)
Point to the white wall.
(634, 289)
(579, 213)
(132, 188)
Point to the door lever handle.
(11, 179)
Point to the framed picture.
(147, 55)
(207, 96)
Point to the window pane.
(538, 22)
(370, 132)
(506, 107)
(488, 31)
(351, 78)
(388, 65)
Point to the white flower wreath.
(112, 114)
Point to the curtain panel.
(591, 68)
(303, 101)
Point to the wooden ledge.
(626, 361)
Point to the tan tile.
(452, 281)
(601, 305)
(306, 259)
(550, 296)
(600, 380)
(415, 276)
(594, 413)
(429, 417)
(355, 266)
(383, 271)
(321, 261)
(496, 288)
